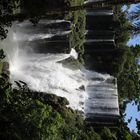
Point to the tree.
(133, 17)
(128, 79)
(107, 134)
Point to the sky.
(134, 41)
(131, 111)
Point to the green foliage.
(128, 79)
(7, 8)
(111, 62)
(121, 26)
(29, 115)
(128, 136)
(123, 133)
(108, 135)
(21, 117)
(78, 29)
(24, 115)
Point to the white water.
(92, 1)
(42, 73)
(102, 95)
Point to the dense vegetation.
(128, 79)
(78, 29)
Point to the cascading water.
(41, 71)
(87, 91)
(101, 103)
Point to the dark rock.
(82, 87)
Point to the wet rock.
(82, 87)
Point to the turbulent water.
(41, 71)
(85, 90)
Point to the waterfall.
(43, 73)
(41, 70)
(90, 92)
(102, 95)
